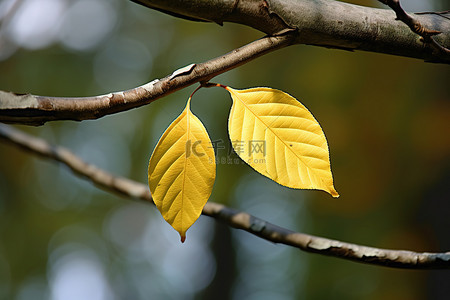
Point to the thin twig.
(416, 27)
(437, 13)
(234, 218)
(36, 110)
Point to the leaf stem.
(207, 84)
(212, 84)
(199, 87)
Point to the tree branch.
(36, 110)
(326, 23)
(317, 22)
(416, 27)
(234, 218)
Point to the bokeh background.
(386, 119)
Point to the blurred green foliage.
(385, 118)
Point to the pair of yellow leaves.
(293, 151)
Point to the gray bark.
(233, 218)
(36, 110)
(317, 22)
(324, 23)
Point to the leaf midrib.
(188, 129)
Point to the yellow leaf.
(181, 171)
(278, 137)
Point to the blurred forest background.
(386, 119)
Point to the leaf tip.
(183, 238)
(334, 193)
